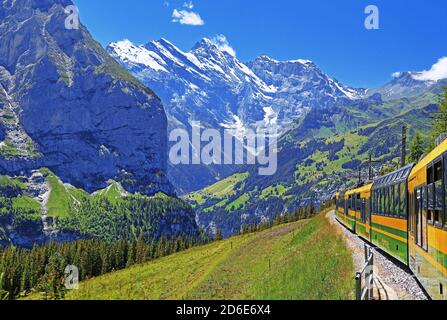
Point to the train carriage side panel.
(350, 209)
(389, 228)
(428, 228)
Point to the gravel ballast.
(397, 279)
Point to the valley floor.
(298, 261)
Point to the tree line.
(420, 145)
(305, 212)
(42, 269)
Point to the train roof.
(364, 188)
(394, 177)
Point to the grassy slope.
(307, 261)
(63, 196)
(221, 190)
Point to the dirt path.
(394, 280)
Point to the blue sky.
(412, 34)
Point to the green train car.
(404, 213)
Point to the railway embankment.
(393, 280)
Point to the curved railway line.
(393, 281)
(404, 213)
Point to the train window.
(396, 200)
(376, 202)
(403, 200)
(438, 194)
(430, 175)
(424, 198)
(437, 171)
(431, 206)
(392, 200)
(445, 192)
(430, 194)
(359, 202)
(388, 201)
(379, 201)
(418, 206)
(385, 201)
(382, 201)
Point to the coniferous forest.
(42, 268)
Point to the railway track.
(393, 280)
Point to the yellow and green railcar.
(427, 221)
(340, 210)
(363, 211)
(406, 217)
(389, 228)
(344, 210)
(353, 209)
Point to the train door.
(421, 217)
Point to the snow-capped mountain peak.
(407, 84)
(210, 83)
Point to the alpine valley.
(328, 130)
(84, 132)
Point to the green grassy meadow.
(304, 260)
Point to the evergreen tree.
(416, 148)
(439, 120)
(51, 283)
(219, 235)
(4, 295)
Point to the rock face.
(407, 85)
(210, 85)
(65, 104)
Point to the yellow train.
(404, 214)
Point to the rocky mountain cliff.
(83, 144)
(65, 104)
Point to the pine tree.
(439, 120)
(219, 235)
(4, 295)
(416, 148)
(51, 283)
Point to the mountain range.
(209, 84)
(83, 132)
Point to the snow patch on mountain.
(210, 84)
(138, 55)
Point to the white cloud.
(396, 74)
(222, 43)
(437, 72)
(185, 17)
